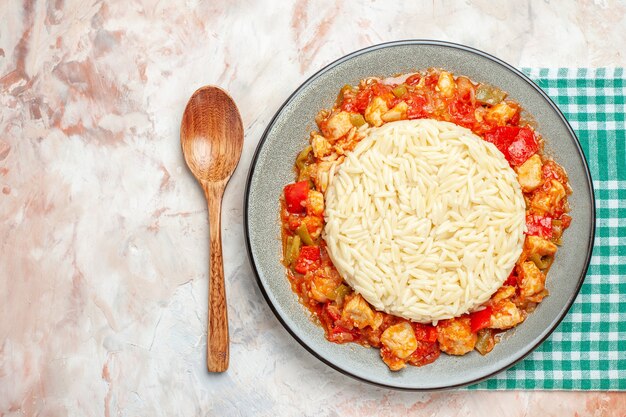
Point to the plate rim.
(428, 42)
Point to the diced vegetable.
(485, 342)
(357, 119)
(565, 221)
(466, 89)
(363, 98)
(523, 147)
(340, 293)
(480, 319)
(517, 144)
(463, 112)
(293, 250)
(287, 251)
(416, 104)
(542, 262)
(303, 156)
(425, 332)
(308, 260)
(339, 334)
(304, 235)
(295, 196)
(487, 94)
(332, 311)
(399, 90)
(346, 92)
(512, 279)
(414, 79)
(539, 226)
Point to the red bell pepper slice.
(308, 260)
(539, 226)
(295, 197)
(480, 319)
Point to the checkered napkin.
(588, 349)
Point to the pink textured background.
(103, 233)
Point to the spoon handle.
(217, 334)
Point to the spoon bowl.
(211, 137)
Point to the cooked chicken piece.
(500, 114)
(358, 313)
(321, 116)
(348, 142)
(506, 291)
(540, 246)
(337, 126)
(398, 112)
(446, 85)
(400, 339)
(479, 113)
(315, 203)
(533, 282)
(314, 224)
(529, 174)
(321, 147)
(465, 88)
(323, 284)
(321, 177)
(505, 315)
(375, 110)
(393, 362)
(546, 201)
(455, 336)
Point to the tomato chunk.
(539, 226)
(416, 104)
(480, 319)
(523, 147)
(340, 334)
(295, 197)
(512, 279)
(332, 311)
(517, 144)
(565, 221)
(308, 260)
(462, 112)
(414, 79)
(425, 332)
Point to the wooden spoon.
(211, 135)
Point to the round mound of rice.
(424, 219)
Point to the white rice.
(424, 219)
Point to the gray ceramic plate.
(272, 168)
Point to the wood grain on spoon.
(211, 136)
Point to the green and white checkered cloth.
(588, 349)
